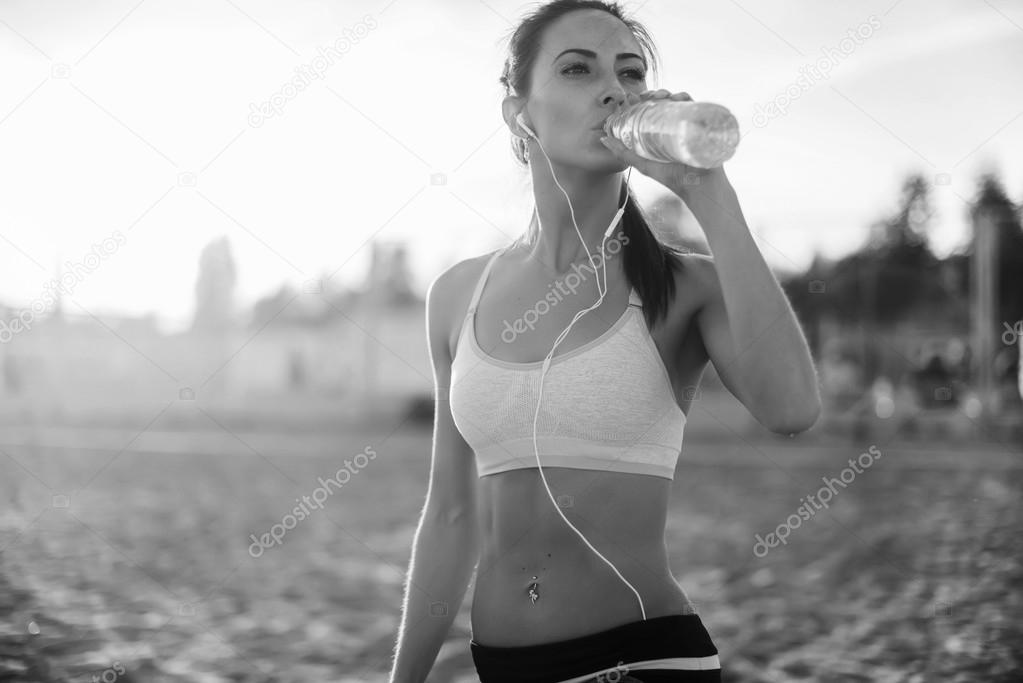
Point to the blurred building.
(359, 347)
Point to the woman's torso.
(623, 515)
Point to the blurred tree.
(390, 278)
(1005, 218)
(911, 223)
(894, 275)
(900, 271)
(807, 292)
(214, 287)
(893, 278)
(398, 278)
(273, 307)
(317, 303)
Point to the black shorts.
(668, 649)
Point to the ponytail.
(650, 265)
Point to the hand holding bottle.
(675, 175)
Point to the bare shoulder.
(447, 297)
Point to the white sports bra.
(607, 405)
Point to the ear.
(510, 107)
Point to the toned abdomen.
(621, 515)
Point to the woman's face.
(573, 92)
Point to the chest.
(520, 324)
(520, 317)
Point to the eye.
(637, 74)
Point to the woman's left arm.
(747, 324)
(748, 327)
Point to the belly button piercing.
(533, 595)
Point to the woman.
(559, 548)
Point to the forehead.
(592, 30)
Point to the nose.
(613, 97)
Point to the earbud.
(521, 120)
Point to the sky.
(135, 125)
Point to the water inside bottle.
(700, 134)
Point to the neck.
(595, 200)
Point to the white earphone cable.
(547, 361)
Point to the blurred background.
(217, 226)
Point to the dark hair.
(649, 264)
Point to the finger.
(654, 94)
(623, 152)
(616, 146)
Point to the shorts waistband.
(673, 642)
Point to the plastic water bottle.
(700, 134)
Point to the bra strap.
(482, 281)
(634, 297)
